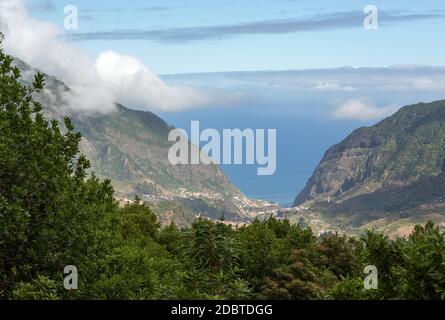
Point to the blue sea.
(301, 143)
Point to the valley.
(388, 177)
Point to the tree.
(213, 261)
(300, 280)
(259, 254)
(421, 273)
(49, 214)
(385, 255)
(138, 219)
(337, 254)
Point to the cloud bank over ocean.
(347, 93)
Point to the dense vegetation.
(54, 214)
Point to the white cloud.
(356, 109)
(134, 84)
(329, 85)
(95, 86)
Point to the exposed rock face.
(403, 153)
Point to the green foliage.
(213, 247)
(383, 254)
(50, 214)
(351, 289)
(300, 280)
(338, 255)
(137, 219)
(41, 288)
(212, 252)
(421, 275)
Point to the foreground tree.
(49, 213)
(421, 273)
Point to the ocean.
(301, 143)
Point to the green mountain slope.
(130, 148)
(393, 167)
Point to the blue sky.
(397, 41)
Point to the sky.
(306, 68)
(183, 36)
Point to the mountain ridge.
(395, 166)
(130, 147)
